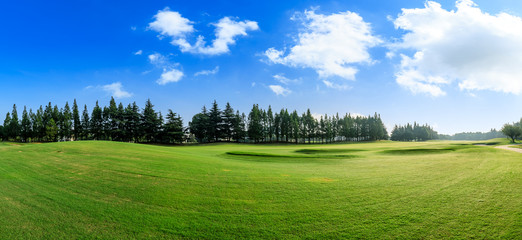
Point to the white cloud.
(329, 44)
(279, 90)
(474, 49)
(207, 72)
(139, 52)
(158, 60)
(172, 24)
(284, 80)
(116, 90)
(390, 55)
(170, 73)
(169, 23)
(336, 85)
(169, 76)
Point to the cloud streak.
(279, 90)
(207, 72)
(116, 90)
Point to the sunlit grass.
(378, 190)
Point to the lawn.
(385, 190)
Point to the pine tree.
(285, 124)
(277, 126)
(150, 122)
(2, 133)
(254, 124)
(228, 122)
(173, 128)
(294, 120)
(215, 128)
(66, 127)
(86, 124)
(238, 132)
(112, 120)
(134, 122)
(14, 125)
(96, 125)
(199, 126)
(7, 126)
(270, 123)
(26, 128)
(119, 131)
(77, 125)
(34, 135)
(106, 124)
(39, 125)
(51, 131)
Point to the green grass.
(383, 190)
(495, 142)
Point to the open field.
(387, 190)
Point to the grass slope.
(384, 190)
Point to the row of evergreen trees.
(131, 124)
(413, 132)
(493, 133)
(266, 126)
(115, 122)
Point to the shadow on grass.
(326, 151)
(418, 151)
(269, 157)
(488, 143)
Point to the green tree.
(86, 124)
(26, 128)
(199, 125)
(215, 127)
(255, 128)
(77, 125)
(2, 133)
(239, 132)
(113, 118)
(294, 123)
(512, 131)
(229, 119)
(173, 128)
(14, 125)
(150, 122)
(7, 125)
(270, 123)
(51, 131)
(38, 124)
(66, 126)
(96, 124)
(133, 122)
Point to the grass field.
(385, 190)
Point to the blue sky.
(454, 65)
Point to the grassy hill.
(226, 191)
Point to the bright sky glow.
(452, 64)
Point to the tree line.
(130, 123)
(413, 132)
(266, 126)
(493, 133)
(114, 122)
